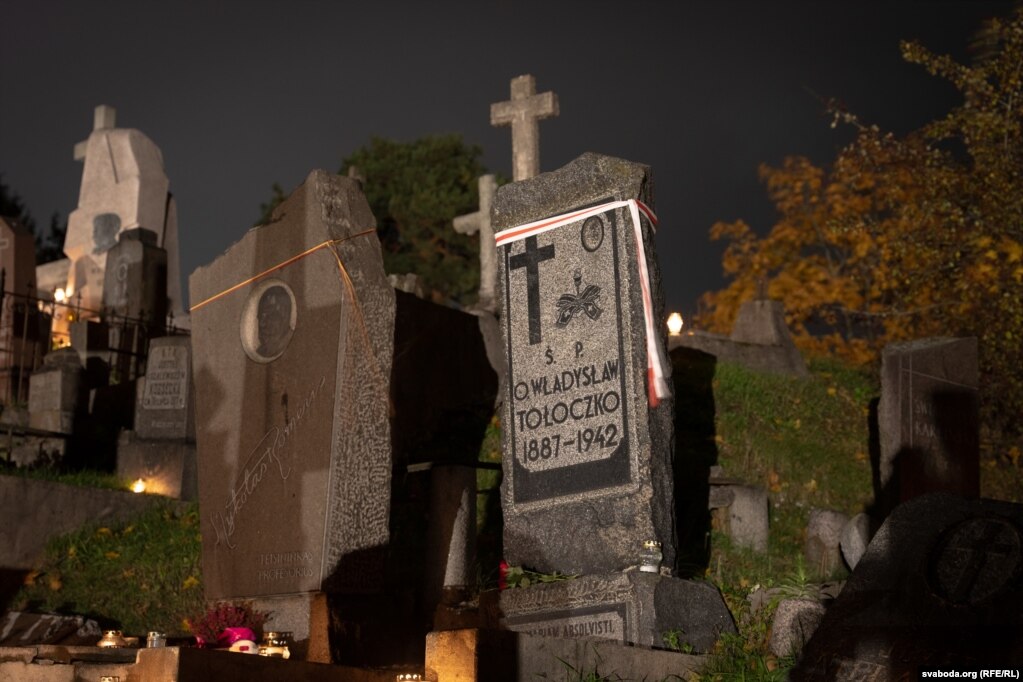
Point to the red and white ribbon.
(657, 382)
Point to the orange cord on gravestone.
(343, 274)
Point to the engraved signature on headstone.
(584, 301)
(270, 449)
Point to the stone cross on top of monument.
(523, 112)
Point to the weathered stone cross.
(523, 112)
(480, 222)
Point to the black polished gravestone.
(929, 419)
(941, 584)
(587, 453)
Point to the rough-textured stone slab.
(587, 461)
(939, 585)
(291, 377)
(633, 607)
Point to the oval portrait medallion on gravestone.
(268, 320)
(975, 560)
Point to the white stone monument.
(124, 187)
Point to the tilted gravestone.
(929, 419)
(587, 418)
(292, 333)
(939, 585)
(587, 459)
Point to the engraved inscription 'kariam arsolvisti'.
(571, 416)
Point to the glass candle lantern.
(650, 557)
(275, 644)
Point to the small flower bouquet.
(224, 622)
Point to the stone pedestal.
(634, 607)
(56, 392)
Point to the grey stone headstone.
(929, 419)
(587, 459)
(292, 400)
(135, 281)
(822, 549)
(939, 585)
(165, 399)
(633, 607)
(56, 392)
(855, 538)
(748, 517)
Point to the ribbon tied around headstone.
(585, 301)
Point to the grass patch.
(806, 442)
(140, 575)
(85, 478)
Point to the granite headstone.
(160, 449)
(292, 333)
(929, 419)
(587, 456)
(939, 585)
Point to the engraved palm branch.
(584, 301)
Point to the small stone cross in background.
(480, 222)
(522, 112)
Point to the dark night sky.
(239, 95)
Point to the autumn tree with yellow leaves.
(905, 237)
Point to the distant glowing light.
(58, 295)
(674, 324)
(138, 486)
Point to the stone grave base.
(168, 467)
(633, 607)
(501, 656)
(306, 617)
(169, 664)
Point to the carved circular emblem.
(268, 320)
(592, 233)
(975, 559)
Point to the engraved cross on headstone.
(523, 112)
(480, 222)
(530, 260)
